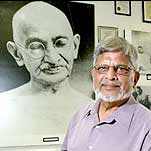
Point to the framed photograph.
(142, 95)
(122, 7)
(146, 11)
(105, 31)
(148, 76)
(141, 40)
(31, 118)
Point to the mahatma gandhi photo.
(45, 44)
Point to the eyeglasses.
(119, 69)
(37, 49)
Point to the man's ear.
(136, 78)
(92, 73)
(76, 39)
(13, 50)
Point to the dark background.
(81, 17)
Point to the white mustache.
(115, 83)
(48, 66)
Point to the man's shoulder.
(142, 110)
(83, 111)
(143, 113)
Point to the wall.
(105, 16)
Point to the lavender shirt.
(127, 129)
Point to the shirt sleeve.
(65, 143)
(73, 123)
(64, 146)
(68, 135)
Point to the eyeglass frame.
(115, 69)
(23, 49)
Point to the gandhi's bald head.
(44, 42)
(37, 14)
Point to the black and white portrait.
(141, 41)
(45, 59)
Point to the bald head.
(44, 43)
(39, 15)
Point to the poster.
(27, 119)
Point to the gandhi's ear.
(13, 50)
(76, 39)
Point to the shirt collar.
(93, 109)
(123, 114)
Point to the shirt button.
(97, 126)
(90, 147)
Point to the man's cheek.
(96, 83)
(131, 81)
(127, 85)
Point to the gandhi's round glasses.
(37, 49)
(119, 69)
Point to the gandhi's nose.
(52, 56)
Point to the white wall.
(105, 16)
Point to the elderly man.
(45, 44)
(115, 122)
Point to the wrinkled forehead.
(112, 57)
(40, 18)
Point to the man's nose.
(111, 74)
(52, 56)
